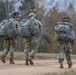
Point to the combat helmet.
(66, 19)
(14, 14)
(32, 14)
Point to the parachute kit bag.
(3, 28)
(63, 32)
(12, 30)
(8, 29)
(29, 28)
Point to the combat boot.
(3, 58)
(26, 62)
(30, 60)
(12, 62)
(70, 65)
(61, 65)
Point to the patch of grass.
(65, 73)
(69, 73)
(46, 56)
(20, 55)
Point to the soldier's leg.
(68, 56)
(6, 50)
(29, 55)
(34, 49)
(26, 51)
(61, 55)
(12, 48)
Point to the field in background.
(20, 56)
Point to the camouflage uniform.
(9, 44)
(31, 45)
(65, 47)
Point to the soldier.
(65, 37)
(31, 43)
(9, 44)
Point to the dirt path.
(40, 67)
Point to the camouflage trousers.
(65, 48)
(9, 45)
(31, 47)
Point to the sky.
(17, 5)
(59, 5)
(49, 5)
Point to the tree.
(2, 11)
(27, 7)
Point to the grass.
(69, 73)
(65, 73)
(20, 55)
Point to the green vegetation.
(69, 73)
(20, 56)
(66, 73)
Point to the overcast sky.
(48, 5)
(59, 5)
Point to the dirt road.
(41, 67)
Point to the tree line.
(48, 21)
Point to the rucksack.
(8, 29)
(12, 30)
(64, 32)
(29, 28)
(3, 28)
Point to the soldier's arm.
(17, 24)
(40, 24)
(73, 33)
(71, 26)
